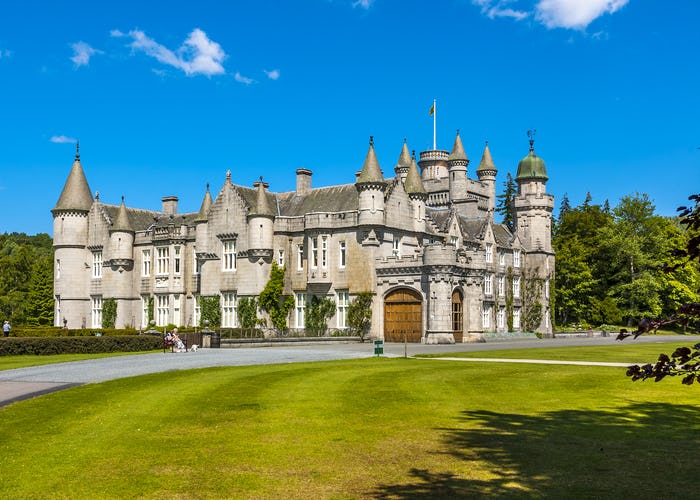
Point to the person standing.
(6, 328)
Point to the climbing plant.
(210, 311)
(247, 312)
(109, 313)
(320, 310)
(360, 314)
(272, 299)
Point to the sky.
(166, 97)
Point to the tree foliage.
(504, 202)
(360, 314)
(210, 310)
(319, 311)
(109, 313)
(272, 299)
(247, 312)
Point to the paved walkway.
(25, 383)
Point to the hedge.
(78, 345)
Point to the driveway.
(24, 383)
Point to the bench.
(170, 343)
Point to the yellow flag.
(432, 109)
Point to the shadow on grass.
(640, 450)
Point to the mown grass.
(374, 428)
(620, 352)
(11, 362)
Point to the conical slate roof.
(76, 193)
(404, 159)
(486, 163)
(532, 166)
(458, 150)
(371, 173)
(122, 222)
(414, 183)
(262, 206)
(206, 205)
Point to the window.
(453, 241)
(58, 311)
(97, 311)
(489, 252)
(176, 262)
(97, 264)
(501, 317)
(342, 254)
(314, 252)
(546, 288)
(300, 305)
(280, 258)
(300, 257)
(196, 264)
(146, 263)
(486, 317)
(516, 318)
(516, 286)
(516, 258)
(501, 258)
(197, 310)
(396, 247)
(324, 252)
(229, 255)
(162, 310)
(58, 269)
(228, 309)
(501, 286)
(488, 284)
(144, 311)
(177, 320)
(341, 309)
(162, 261)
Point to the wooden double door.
(403, 315)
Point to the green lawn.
(10, 362)
(375, 428)
(619, 352)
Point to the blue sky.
(167, 96)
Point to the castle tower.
(70, 239)
(487, 175)
(417, 194)
(371, 187)
(261, 221)
(404, 162)
(120, 264)
(457, 164)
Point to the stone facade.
(423, 242)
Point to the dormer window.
(489, 252)
(229, 255)
(396, 247)
(97, 264)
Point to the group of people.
(171, 338)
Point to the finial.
(404, 141)
(207, 186)
(261, 179)
(97, 196)
(413, 154)
(122, 198)
(457, 131)
(77, 150)
(228, 175)
(531, 134)
(487, 142)
(371, 140)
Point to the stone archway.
(457, 316)
(403, 315)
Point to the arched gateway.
(403, 314)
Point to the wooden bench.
(170, 343)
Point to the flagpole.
(434, 124)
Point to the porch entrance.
(403, 310)
(457, 316)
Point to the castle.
(423, 242)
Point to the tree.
(247, 312)
(532, 301)
(565, 206)
(684, 361)
(320, 310)
(272, 299)
(210, 310)
(40, 302)
(360, 314)
(504, 203)
(109, 313)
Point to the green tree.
(109, 313)
(504, 202)
(40, 302)
(573, 283)
(360, 314)
(319, 311)
(532, 310)
(247, 312)
(272, 299)
(210, 310)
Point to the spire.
(206, 205)
(262, 206)
(486, 164)
(371, 173)
(76, 194)
(404, 160)
(414, 184)
(458, 150)
(122, 223)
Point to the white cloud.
(5, 53)
(82, 52)
(198, 55)
(499, 8)
(243, 79)
(364, 4)
(574, 14)
(62, 139)
(272, 75)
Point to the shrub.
(79, 345)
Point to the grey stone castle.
(423, 242)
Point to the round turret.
(532, 166)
